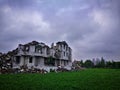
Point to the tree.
(109, 64)
(102, 63)
(115, 64)
(88, 64)
(82, 63)
(50, 61)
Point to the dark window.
(64, 46)
(30, 60)
(41, 51)
(48, 51)
(26, 48)
(67, 63)
(64, 53)
(17, 59)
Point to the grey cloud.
(90, 38)
(91, 27)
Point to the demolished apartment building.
(41, 56)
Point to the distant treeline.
(100, 63)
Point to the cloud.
(90, 27)
(91, 31)
(68, 10)
(23, 25)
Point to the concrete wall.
(30, 64)
(65, 52)
(37, 57)
(32, 48)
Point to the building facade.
(41, 56)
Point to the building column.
(60, 62)
(21, 60)
(34, 60)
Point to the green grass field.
(89, 79)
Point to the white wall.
(32, 48)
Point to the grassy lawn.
(89, 79)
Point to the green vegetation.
(99, 63)
(89, 79)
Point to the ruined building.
(41, 56)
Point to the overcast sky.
(90, 27)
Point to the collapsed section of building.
(41, 56)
